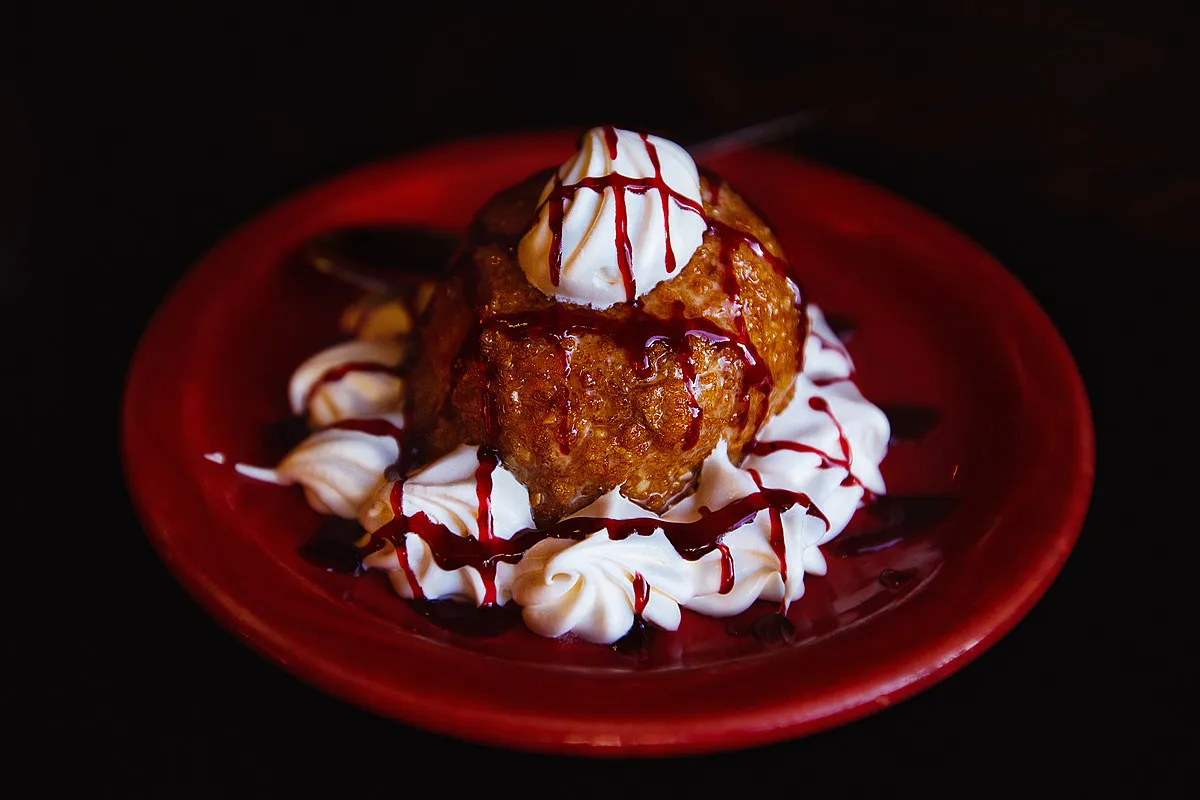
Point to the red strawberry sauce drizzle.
(692, 540)
(561, 195)
(635, 330)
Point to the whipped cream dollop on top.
(623, 214)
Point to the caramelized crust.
(574, 400)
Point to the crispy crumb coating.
(573, 399)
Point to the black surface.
(131, 141)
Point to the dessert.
(617, 405)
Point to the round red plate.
(938, 324)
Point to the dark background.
(1060, 137)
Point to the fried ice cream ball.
(577, 401)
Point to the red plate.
(939, 324)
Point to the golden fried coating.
(578, 401)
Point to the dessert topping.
(623, 214)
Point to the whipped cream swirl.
(620, 216)
(352, 400)
(348, 381)
(594, 588)
(446, 492)
(339, 467)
